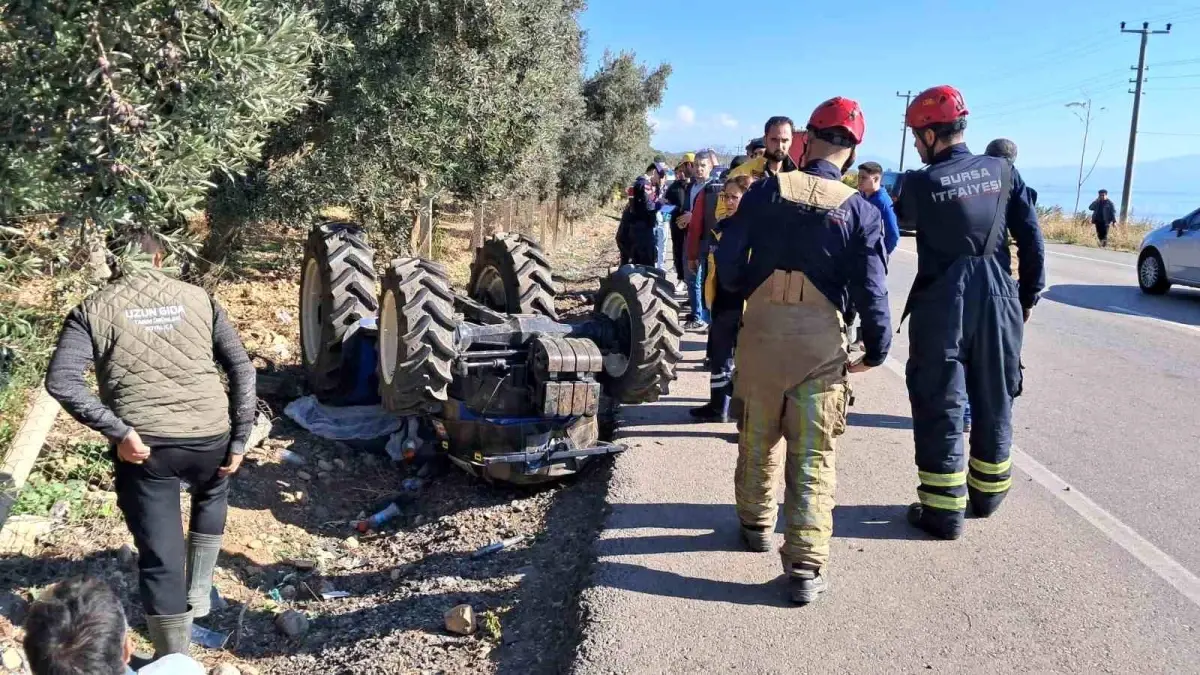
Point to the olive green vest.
(153, 342)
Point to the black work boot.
(941, 525)
(757, 539)
(717, 408)
(984, 504)
(805, 584)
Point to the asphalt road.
(1090, 567)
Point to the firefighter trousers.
(800, 399)
(965, 334)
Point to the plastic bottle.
(380, 518)
(498, 546)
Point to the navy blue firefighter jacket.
(952, 205)
(839, 249)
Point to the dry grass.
(1065, 230)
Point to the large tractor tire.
(641, 302)
(416, 336)
(337, 290)
(511, 274)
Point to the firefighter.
(967, 313)
(800, 245)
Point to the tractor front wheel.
(641, 304)
(416, 336)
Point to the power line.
(1109, 77)
(1179, 15)
(1057, 56)
(1166, 133)
(1181, 62)
(1173, 77)
(1056, 99)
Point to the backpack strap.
(998, 221)
(804, 188)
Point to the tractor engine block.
(564, 375)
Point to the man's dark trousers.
(148, 495)
(678, 244)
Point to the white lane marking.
(1174, 324)
(1065, 255)
(1099, 260)
(1166, 567)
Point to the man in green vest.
(156, 343)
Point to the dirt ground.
(290, 536)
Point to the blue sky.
(1018, 63)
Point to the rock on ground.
(461, 620)
(292, 624)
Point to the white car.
(1171, 255)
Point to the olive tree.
(465, 98)
(611, 143)
(118, 114)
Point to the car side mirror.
(1179, 226)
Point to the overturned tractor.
(510, 392)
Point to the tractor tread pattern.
(530, 287)
(656, 332)
(425, 341)
(346, 263)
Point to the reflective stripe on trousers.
(965, 334)
(801, 400)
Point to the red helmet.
(936, 105)
(838, 113)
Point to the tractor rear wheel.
(641, 302)
(416, 336)
(511, 274)
(337, 290)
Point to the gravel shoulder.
(290, 536)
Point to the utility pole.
(1145, 32)
(907, 96)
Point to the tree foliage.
(139, 113)
(462, 97)
(118, 113)
(611, 143)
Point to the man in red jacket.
(700, 220)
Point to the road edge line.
(1163, 565)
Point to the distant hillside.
(672, 158)
(1177, 175)
(1162, 189)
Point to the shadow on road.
(1181, 305)
(700, 432)
(715, 528)
(878, 421)
(673, 585)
